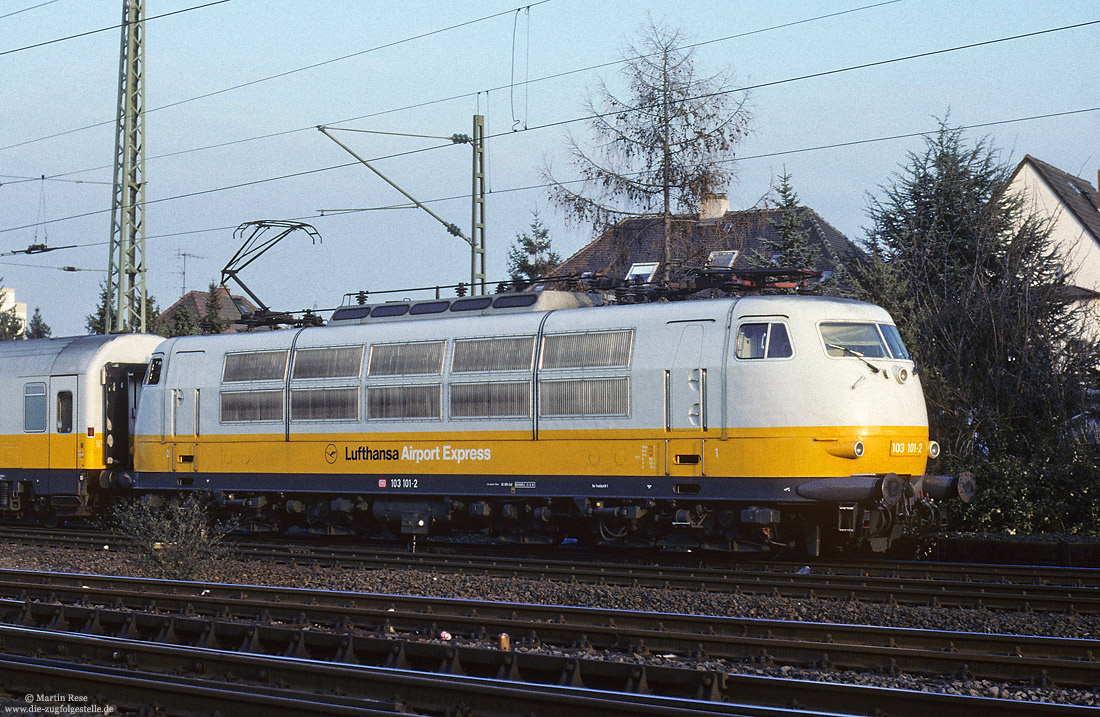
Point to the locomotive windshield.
(863, 340)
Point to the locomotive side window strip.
(324, 404)
(405, 401)
(34, 408)
(506, 353)
(406, 359)
(338, 362)
(245, 406)
(585, 397)
(763, 340)
(600, 349)
(255, 366)
(503, 399)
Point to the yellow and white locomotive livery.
(741, 423)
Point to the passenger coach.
(67, 427)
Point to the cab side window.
(763, 340)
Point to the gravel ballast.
(477, 587)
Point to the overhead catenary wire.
(530, 187)
(559, 123)
(527, 83)
(267, 78)
(32, 7)
(104, 29)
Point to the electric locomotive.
(747, 423)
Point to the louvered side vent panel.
(507, 353)
(588, 350)
(255, 366)
(339, 362)
(405, 401)
(585, 397)
(324, 404)
(504, 399)
(243, 406)
(406, 359)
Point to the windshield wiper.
(857, 354)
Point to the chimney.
(713, 206)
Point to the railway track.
(179, 681)
(976, 586)
(556, 644)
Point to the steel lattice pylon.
(126, 266)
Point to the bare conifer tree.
(659, 148)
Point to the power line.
(32, 7)
(267, 78)
(560, 123)
(452, 98)
(826, 73)
(530, 187)
(103, 29)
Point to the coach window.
(34, 408)
(763, 340)
(64, 411)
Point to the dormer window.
(642, 271)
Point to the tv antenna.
(183, 271)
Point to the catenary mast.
(126, 266)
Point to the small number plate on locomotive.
(904, 448)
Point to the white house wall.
(1079, 251)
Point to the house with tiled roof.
(231, 308)
(713, 237)
(1073, 208)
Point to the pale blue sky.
(73, 84)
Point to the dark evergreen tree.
(10, 325)
(211, 322)
(981, 298)
(182, 321)
(793, 249)
(531, 256)
(37, 328)
(96, 322)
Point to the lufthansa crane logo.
(330, 453)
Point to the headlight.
(901, 374)
(933, 449)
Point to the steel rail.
(303, 548)
(285, 616)
(939, 585)
(186, 674)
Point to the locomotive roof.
(489, 322)
(508, 303)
